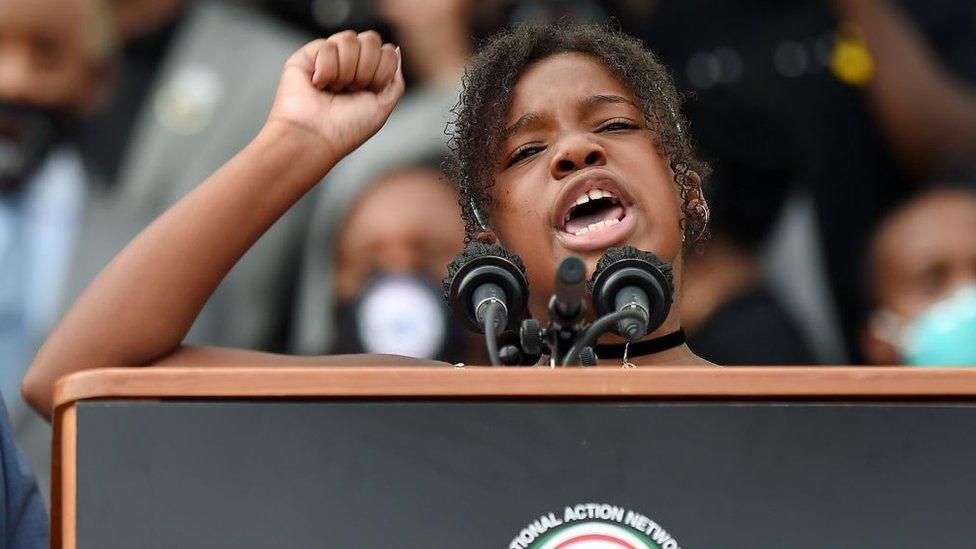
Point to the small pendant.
(627, 365)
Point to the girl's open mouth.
(595, 210)
(597, 219)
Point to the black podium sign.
(525, 473)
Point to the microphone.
(628, 279)
(485, 279)
(566, 306)
(567, 302)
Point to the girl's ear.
(695, 207)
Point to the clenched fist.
(340, 89)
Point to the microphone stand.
(566, 308)
(631, 295)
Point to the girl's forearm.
(140, 307)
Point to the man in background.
(921, 278)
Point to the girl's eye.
(617, 125)
(523, 152)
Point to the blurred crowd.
(841, 136)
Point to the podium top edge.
(333, 382)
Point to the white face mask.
(944, 334)
(401, 315)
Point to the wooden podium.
(519, 458)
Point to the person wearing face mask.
(53, 63)
(390, 260)
(921, 275)
(379, 291)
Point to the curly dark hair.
(476, 134)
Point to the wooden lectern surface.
(471, 382)
(332, 382)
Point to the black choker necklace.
(642, 348)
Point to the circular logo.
(593, 526)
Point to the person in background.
(921, 279)
(391, 252)
(23, 520)
(731, 315)
(54, 59)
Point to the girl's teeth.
(597, 226)
(592, 194)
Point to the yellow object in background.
(850, 61)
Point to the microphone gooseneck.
(493, 317)
(599, 327)
(567, 307)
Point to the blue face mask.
(945, 333)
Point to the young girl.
(567, 140)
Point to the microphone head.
(570, 283)
(480, 264)
(626, 266)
